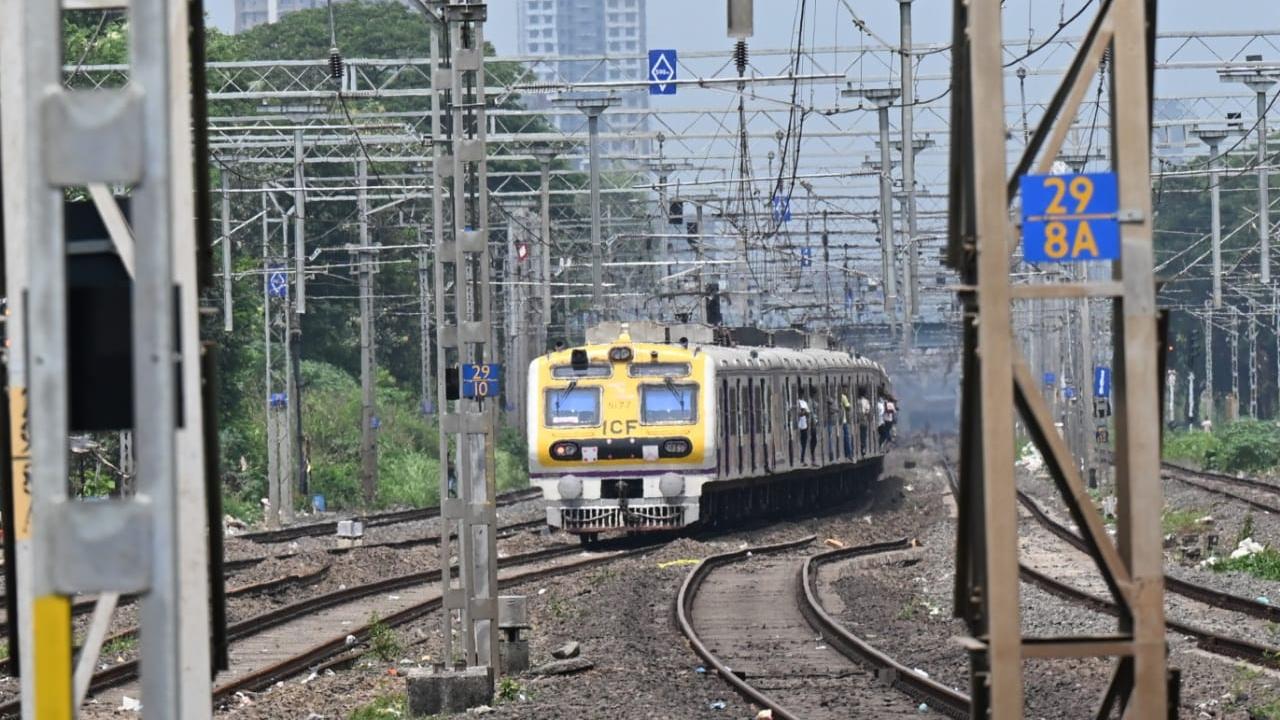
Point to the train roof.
(700, 339)
(743, 356)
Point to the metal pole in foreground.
(368, 411)
(912, 307)
(1212, 138)
(884, 98)
(544, 155)
(227, 307)
(1259, 77)
(593, 107)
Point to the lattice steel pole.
(467, 329)
(138, 135)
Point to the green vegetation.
(1246, 528)
(389, 706)
(1180, 520)
(120, 645)
(1264, 565)
(509, 690)
(1241, 446)
(383, 643)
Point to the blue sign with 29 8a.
(1069, 218)
(481, 381)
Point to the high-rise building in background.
(251, 13)
(561, 30)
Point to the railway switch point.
(513, 645)
(448, 691)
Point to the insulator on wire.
(740, 56)
(335, 63)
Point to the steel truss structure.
(58, 138)
(998, 378)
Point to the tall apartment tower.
(561, 30)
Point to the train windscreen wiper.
(565, 393)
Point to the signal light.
(620, 354)
(565, 451)
(677, 448)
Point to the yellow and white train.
(655, 428)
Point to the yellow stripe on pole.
(51, 633)
(20, 450)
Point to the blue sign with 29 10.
(1069, 218)
(481, 381)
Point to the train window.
(568, 372)
(669, 403)
(573, 406)
(659, 369)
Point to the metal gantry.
(998, 378)
(57, 139)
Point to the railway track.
(85, 605)
(1208, 640)
(394, 517)
(1205, 480)
(281, 642)
(743, 613)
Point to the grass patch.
(1269, 711)
(383, 643)
(120, 645)
(1264, 565)
(1180, 520)
(560, 609)
(509, 690)
(390, 706)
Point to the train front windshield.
(668, 403)
(573, 406)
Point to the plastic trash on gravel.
(130, 704)
(718, 705)
(1246, 548)
(1030, 459)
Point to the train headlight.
(671, 485)
(678, 447)
(621, 353)
(570, 487)
(565, 451)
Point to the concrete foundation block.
(514, 655)
(448, 691)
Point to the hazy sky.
(699, 24)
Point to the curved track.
(1210, 641)
(742, 613)
(1211, 482)
(937, 696)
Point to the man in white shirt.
(802, 424)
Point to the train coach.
(656, 428)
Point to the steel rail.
(394, 517)
(265, 677)
(1184, 475)
(939, 697)
(1207, 640)
(684, 608)
(248, 627)
(1197, 592)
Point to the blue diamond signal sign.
(1102, 381)
(781, 208)
(662, 71)
(481, 381)
(1069, 218)
(277, 283)
(806, 257)
(1048, 379)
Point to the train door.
(722, 452)
(752, 421)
